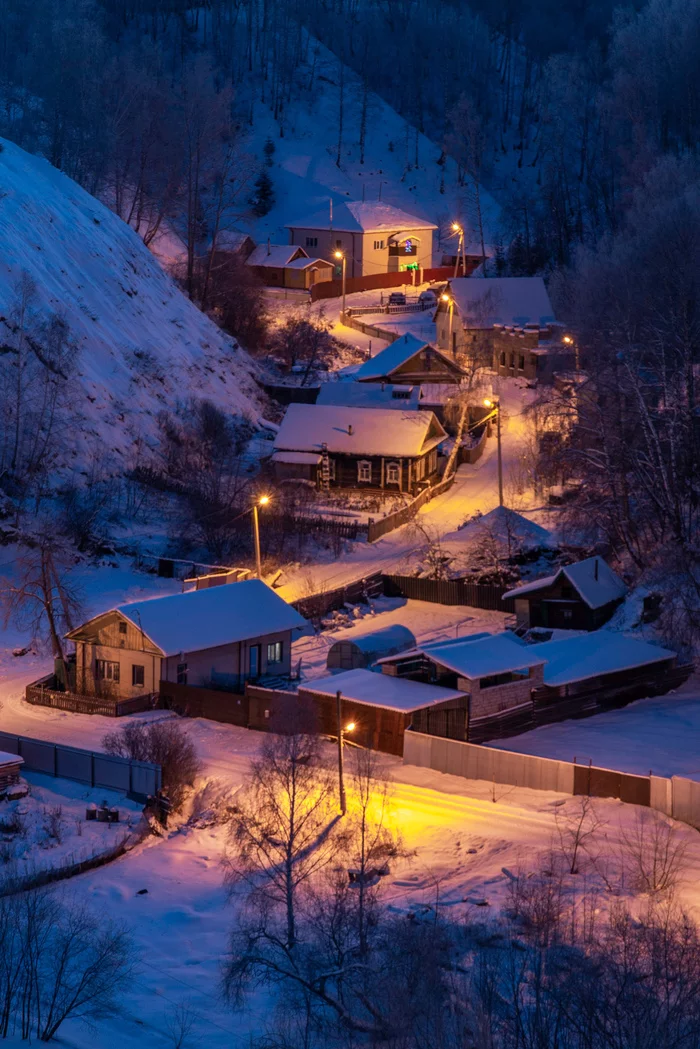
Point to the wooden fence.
(43, 694)
(231, 708)
(316, 606)
(448, 592)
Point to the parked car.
(428, 298)
(397, 298)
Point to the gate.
(607, 783)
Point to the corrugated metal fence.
(449, 592)
(139, 778)
(676, 796)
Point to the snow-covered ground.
(659, 734)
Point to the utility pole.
(256, 537)
(495, 405)
(343, 801)
(341, 255)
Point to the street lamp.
(495, 404)
(341, 255)
(460, 249)
(569, 340)
(350, 727)
(262, 501)
(448, 298)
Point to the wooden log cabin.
(371, 448)
(410, 360)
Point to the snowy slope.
(143, 346)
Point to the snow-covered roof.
(359, 216)
(479, 655)
(274, 255)
(594, 654)
(502, 525)
(9, 759)
(485, 301)
(357, 431)
(231, 240)
(593, 579)
(199, 619)
(303, 264)
(383, 690)
(396, 354)
(390, 639)
(368, 395)
(298, 458)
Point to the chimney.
(595, 569)
(350, 430)
(268, 246)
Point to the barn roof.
(593, 579)
(358, 431)
(595, 654)
(512, 301)
(397, 353)
(369, 395)
(199, 619)
(382, 690)
(277, 255)
(359, 216)
(304, 264)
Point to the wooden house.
(221, 636)
(287, 266)
(372, 448)
(581, 596)
(410, 361)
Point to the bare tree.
(655, 853)
(165, 743)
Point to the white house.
(374, 237)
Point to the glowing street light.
(341, 255)
(350, 727)
(568, 340)
(262, 501)
(445, 297)
(495, 405)
(459, 231)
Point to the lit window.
(274, 652)
(392, 473)
(364, 470)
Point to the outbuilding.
(381, 707)
(410, 360)
(363, 651)
(10, 766)
(581, 596)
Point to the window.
(182, 673)
(364, 470)
(122, 628)
(312, 242)
(378, 245)
(274, 652)
(339, 244)
(420, 469)
(137, 676)
(521, 362)
(568, 613)
(393, 473)
(512, 360)
(107, 671)
(503, 358)
(331, 469)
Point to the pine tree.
(269, 151)
(263, 197)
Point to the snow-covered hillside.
(142, 345)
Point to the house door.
(254, 661)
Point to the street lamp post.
(460, 249)
(341, 737)
(341, 255)
(495, 404)
(448, 299)
(262, 501)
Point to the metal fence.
(675, 796)
(138, 778)
(448, 592)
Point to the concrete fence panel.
(74, 764)
(686, 800)
(661, 794)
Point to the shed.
(382, 707)
(10, 765)
(581, 596)
(363, 651)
